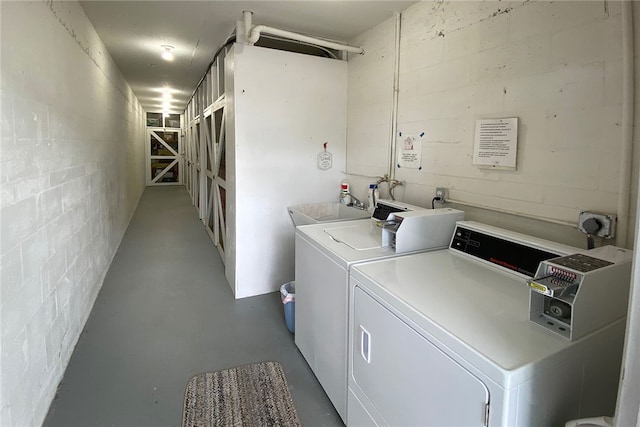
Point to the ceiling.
(133, 32)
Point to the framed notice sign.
(496, 143)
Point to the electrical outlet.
(442, 193)
(597, 224)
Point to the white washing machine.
(444, 339)
(324, 254)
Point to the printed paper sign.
(496, 143)
(410, 150)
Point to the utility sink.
(315, 213)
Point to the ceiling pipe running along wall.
(253, 33)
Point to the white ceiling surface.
(133, 32)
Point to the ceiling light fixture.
(166, 52)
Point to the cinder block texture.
(369, 100)
(554, 65)
(71, 171)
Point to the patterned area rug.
(251, 395)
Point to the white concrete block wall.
(71, 174)
(557, 66)
(369, 101)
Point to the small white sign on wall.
(325, 159)
(496, 143)
(409, 150)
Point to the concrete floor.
(166, 313)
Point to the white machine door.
(409, 381)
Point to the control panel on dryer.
(502, 251)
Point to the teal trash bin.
(287, 293)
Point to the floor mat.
(250, 395)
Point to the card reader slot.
(553, 286)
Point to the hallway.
(166, 313)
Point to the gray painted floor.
(166, 313)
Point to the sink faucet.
(356, 203)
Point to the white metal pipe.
(247, 16)
(394, 105)
(257, 30)
(627, 411)
(520, 214)
(628, 89)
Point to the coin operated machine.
(577, 294)
(419, 230)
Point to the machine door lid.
(360, 237)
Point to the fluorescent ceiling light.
(166, 52)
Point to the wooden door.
(163, 157)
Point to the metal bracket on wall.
(597, 224)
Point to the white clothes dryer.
(444, 339)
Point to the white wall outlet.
(442, 193)
(597, 224)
